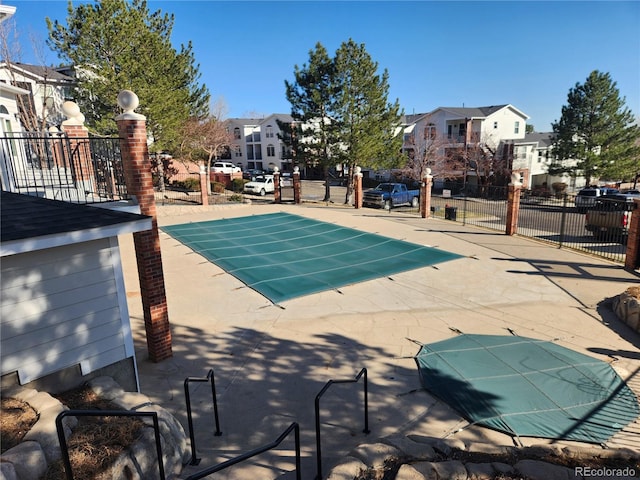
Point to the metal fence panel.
(53, 165)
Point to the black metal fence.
(56, 166)
(184, 189)
(553, 219)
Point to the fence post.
(204, 185)
(513, 204)
(632, 259)
(276, 186)
(78, 135)
(425, 194)
(357, 187)
(297, 186)
(135, 156)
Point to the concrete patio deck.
(270, 361)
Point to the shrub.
(188, 184)
(235, 198)
(559, 188)
(237, 184)
(217, 187)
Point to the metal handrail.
(187, 381)
(366, 413)
(105, 413)
(241, 458)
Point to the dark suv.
(587, 197)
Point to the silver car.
(587, 197)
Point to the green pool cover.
(284, 256)
(527, 387)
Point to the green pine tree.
(312, 96)
(370, 132)
(596, 136)
(116, 45)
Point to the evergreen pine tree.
(118, 44)
(596, 135)
(370, 131)
(312, 96)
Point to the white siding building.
(257, 143)
(531, 158)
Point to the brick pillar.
(204, 185)
(357, 188)
(513, 205)
(276, 186)
(297, 186)
(135, 155)
(632, 260)
(425, 194)
(78, 135)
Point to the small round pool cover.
(527, 387)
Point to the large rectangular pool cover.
(284, 256)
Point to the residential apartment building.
(531, 159)
(48, 88)
(491, 130)
(257, 143)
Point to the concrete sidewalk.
(271, 361)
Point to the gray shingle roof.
(26, 217)
(473, 111)
(49, 73)
(543, 139)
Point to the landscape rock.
(479, 471)
(347, 469)
(7, 471)
(537, 470)
(374, 455)
(28, 460)
(408, 447)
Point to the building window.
(271, 150)
(257, 151)
(269, 133)
(516, 128)
(449, 130)
(430, 132)
(236, 133)
(495, 125)
(250, 152)
(237, 151)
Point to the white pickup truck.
(260, 185)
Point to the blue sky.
(451, 54)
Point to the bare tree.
(10, 52)
(207, 139)
(426, 149)
(487, 160)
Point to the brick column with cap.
(78, 150)
(425, 194)
(513, 205)
(276, 186)
(632, 259)
(357, 187)
(135, 155)
(297, 186)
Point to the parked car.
(587, 197)
(389, 195)
(225, 167)
(252, 173)
(260, 186)
(610, 217)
